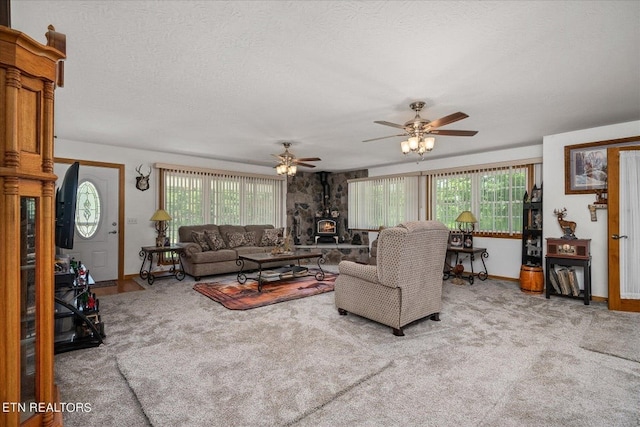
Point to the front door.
(624, 228)
(97, 231)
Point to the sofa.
(211, 249)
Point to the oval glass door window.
(88, 210)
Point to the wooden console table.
(147, 253)
(471, 253)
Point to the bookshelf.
(532, 229)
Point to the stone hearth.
(333, 253)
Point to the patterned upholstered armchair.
(406, 283)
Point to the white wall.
(577, 204)
(140, 205)
(505, 255)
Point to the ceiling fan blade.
(306, 165)
(453, 132)
(447, 119)
(395, 125)
(384, 137)
(278, 156)
(308, 159)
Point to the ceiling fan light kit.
(419, 129)
(289, 163)
(418, 145)
(284, 169)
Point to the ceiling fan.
(289, 163)
(419, 129)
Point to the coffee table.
(266, 258)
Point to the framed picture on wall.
(585, 165)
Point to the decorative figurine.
(568, 227)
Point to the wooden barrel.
(531, 279)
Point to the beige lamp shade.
(160, 215)
(466, 216)
(467, 220)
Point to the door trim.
(120, 168)
(613, 227)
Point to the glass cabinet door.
(28, 209)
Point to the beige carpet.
(498, 357)
(249, 383)
(614, 333)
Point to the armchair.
(406, 283)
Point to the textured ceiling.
(232, 80)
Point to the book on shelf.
(563, 281)
(284, 273)
(573, 282)
(299, 271)
(270, 274)
(553, 278)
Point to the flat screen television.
(66, 196)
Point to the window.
(200, 196)
(382, 202)
(88, 210)
(494, 196)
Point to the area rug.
(610, 332)
(236, 296)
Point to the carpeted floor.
(498, 357)
(614, 333)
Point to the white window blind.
(493, 195)
(197, 196)
(383, 202)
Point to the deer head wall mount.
(142, 181)
(568, 227)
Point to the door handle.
(616, 237)
(116, 232)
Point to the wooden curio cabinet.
(28, 75)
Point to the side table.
(471, 252)
(585, 263)
(147, 253)
(569, 253)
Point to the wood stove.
(326, 223)
(326, 230)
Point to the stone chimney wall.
(305, 201)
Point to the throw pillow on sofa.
(250, 238)
(271, 235)
(214, 239)
(199, 238)
(241, 239)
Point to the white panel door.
(98, 249)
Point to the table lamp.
(160, 216)
(467, 220)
